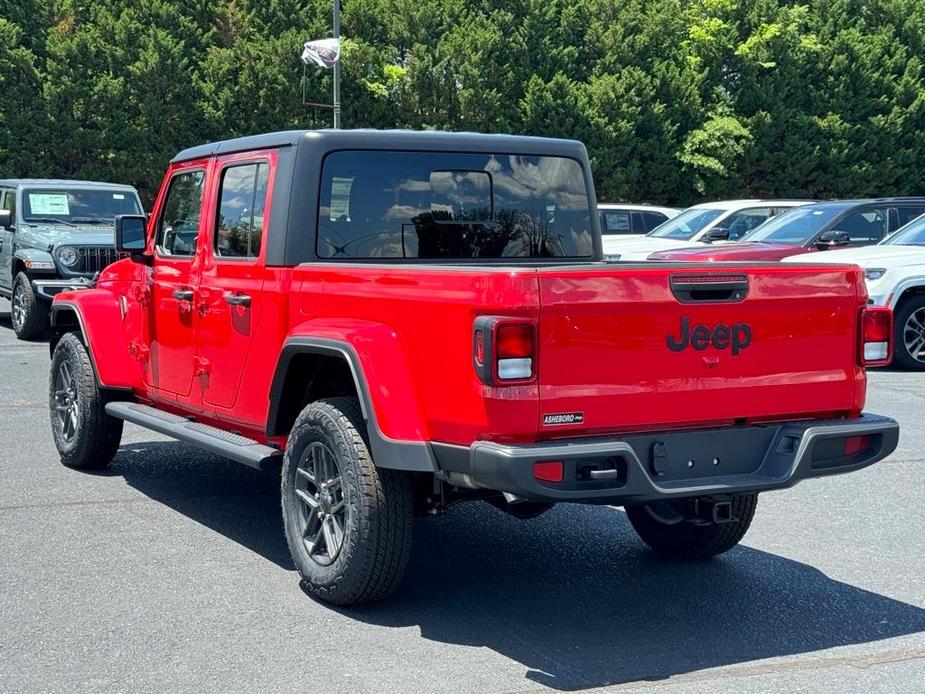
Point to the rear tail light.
(876, 339)
(504, 349)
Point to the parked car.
(627, 220)
(818, 227)
(364, 308)
(54, 235)
(709, 222)
(895, 274)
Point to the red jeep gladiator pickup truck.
(407, 320)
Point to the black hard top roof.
(390, 139)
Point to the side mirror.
(130, 234)
(6, 219)
(716, 234)
(832, 239)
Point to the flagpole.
(337, 66)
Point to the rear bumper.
(48, 288)
(669, 465)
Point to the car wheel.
(909, 334)
(347, 522)
(669, 530)
(29, 313)
(85, 436)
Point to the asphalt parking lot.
(169, 572)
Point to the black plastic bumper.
(669, 465)
(47, 289)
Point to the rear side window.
(178, 226)
(441, 205)
(616, 222)
(241, 200)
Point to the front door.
(230, 294)
(7, 202)
(173, 318)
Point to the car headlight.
(874, 273)
(68, 256)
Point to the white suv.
(895, 274)
(708, 222)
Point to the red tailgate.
(605, 362)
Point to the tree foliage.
(676, 100)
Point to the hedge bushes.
(677, 100)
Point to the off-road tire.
(33, 321)
(97, 435)
(901, 356)
(379, 510)
(687, 540)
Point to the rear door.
(230, 296)
(625, 350)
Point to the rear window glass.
(440, 205)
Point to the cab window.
(178, 226)
(241, 201)
(865, 226)
(740, 223)
(8, 202)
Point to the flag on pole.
(323, 52)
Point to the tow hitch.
(713, 511)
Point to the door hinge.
(140, 294)
(201, 366)
(138, 352)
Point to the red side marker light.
(855, 444)
(479, 347)
(549, 471)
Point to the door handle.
(183, 294)
(237, 300)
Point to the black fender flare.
(393, 454)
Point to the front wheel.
(347, 522)
(909, 334)
(29, 313)
(85, 436)
(672, 530)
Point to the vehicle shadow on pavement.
(580, 602)
(573, 596)
(232, 499)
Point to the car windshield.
(913, 234)
(794, 227)
(686, 225)
(77, 206)
(449, 205)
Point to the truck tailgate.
(655, 346)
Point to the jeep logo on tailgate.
(737, 336)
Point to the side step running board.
(218, 441)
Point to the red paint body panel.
(743, 252)
(603, 349)
(601, 339)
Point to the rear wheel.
(85, 436)
(347, 522)
(673, 530)
(29, 313)
(909, 334)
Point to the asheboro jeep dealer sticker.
(563, 418)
